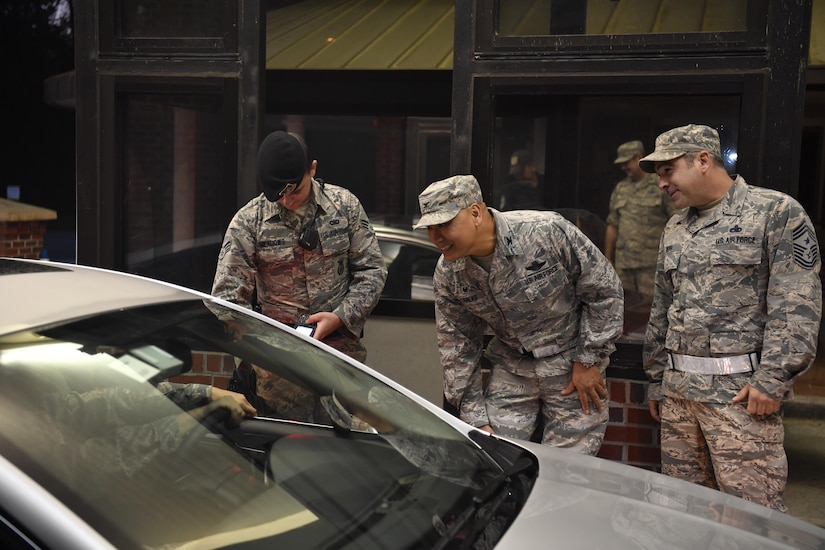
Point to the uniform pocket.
(735, 269)
(747, 255)
(275, 252)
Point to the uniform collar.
(507, 243)
(275, 212)
(731, 205)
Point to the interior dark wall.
(38, 140)
(343, 159)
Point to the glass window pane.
(93, 410)
(169, 18)
(177, 201)
(410, 269)
(559, 153)
(384, 160)
(595, 17)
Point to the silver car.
(100, 450)
(400, 332)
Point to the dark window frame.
(490, 89)
(109, 198)
(490, 43)
(764, 65)
(226, 42)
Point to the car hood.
(587, 502)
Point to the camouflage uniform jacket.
(344, 274)
(745, 279)
(639, 211)
(140, 425)
(549, 288)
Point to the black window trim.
(488, 43)
(227, 41)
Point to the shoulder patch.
(805, 249)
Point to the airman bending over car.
(553, 302)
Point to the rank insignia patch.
(805, 249)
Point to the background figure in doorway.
(524, 187)
(638, 213)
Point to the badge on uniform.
(805, 249)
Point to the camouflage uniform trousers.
(724, 447)
(514, 401)
(640, 279)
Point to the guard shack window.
(169, 25)
(175, 173)
(567, 81)
(610, 17)
(572, 141)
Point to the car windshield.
(98, 423)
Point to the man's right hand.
(655, 408)
(327, 323)
(246, 408)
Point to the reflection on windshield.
(96, 412)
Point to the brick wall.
(22, 229)
(389, 164)
(208, 368)
(22, 239)
(632, 436)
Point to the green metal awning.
(816, 51)
(418, 34)
(361, 34)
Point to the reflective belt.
(714, 365)
(547, 351)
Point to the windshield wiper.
(484, 505)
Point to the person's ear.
(475, 211)
(704, 160)
(312, 167)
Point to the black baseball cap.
(282, 162)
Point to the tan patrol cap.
(628, 150)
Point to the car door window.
(409, 271)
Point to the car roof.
(36, 292)
(405, 235)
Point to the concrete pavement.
(805, 447)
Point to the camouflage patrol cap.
(628, 150)
(674, 143)
(443, 200)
